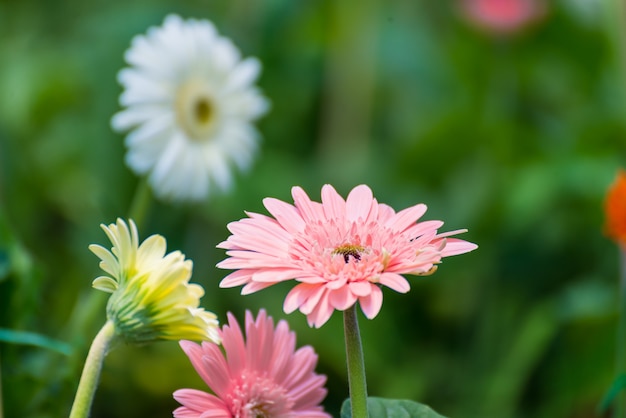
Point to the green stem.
(91, 371)
(615, 11)
(349, 85)
(140, 205)
(356, 365)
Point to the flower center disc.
(349, 250)
(256, 396)
(195, 110)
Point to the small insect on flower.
(348, 251)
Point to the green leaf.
(5, 264)
(37, 340)
(618, 385)
(392, 408)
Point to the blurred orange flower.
(615, 209)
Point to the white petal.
(244, 74)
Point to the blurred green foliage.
(515, 138)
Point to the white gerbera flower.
(190, 102)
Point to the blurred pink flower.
(340, 251)
(261, 376)
(502, 16)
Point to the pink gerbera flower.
(341, 251)
(261, 376)
(503, 16)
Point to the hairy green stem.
(356, 364)
(91, 371)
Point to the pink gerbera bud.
(340, 251)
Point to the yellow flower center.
(349, 250)
(196, 112)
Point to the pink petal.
(235, 262)
(371, 304)
(286, 214)
(311, 211)
(310, 278)
(333, 203)
(385, 212)
(234, 345)
(256, 257)
(237, 278)
(421, 228)
(302, 362)
(275, 275)
(337, 283)
(195, 353)
(312, 413)
(260, 335)
(285, 346)
(359, 203)
(308, 394)
(216, 413)
(196, 402)
(321, 313)
(314, 299)
(259, 237)
(450, 233)
(254, 287)
(252, 259)
(360, 288)
(342, 298)
(456, 246)
(216, 371)
(425, 239)
(298, 295)
(184, 412)
(395, 281)
(406, 217)
(263, 222)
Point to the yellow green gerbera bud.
(151, 297)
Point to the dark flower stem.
(356, 364)
(91, 371)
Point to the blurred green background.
(514, 137)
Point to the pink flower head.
(503, 16)
(261, 376)
(340, 251)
